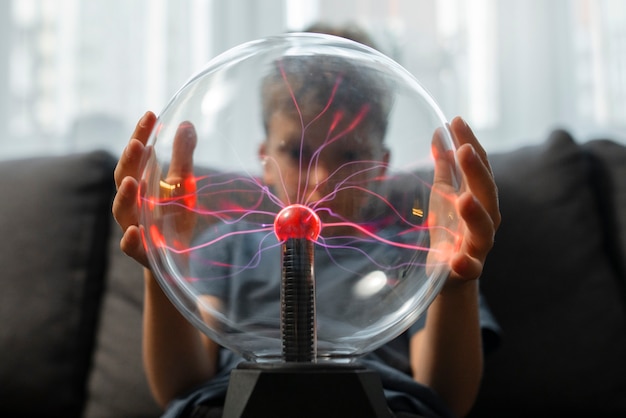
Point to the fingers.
(125, 210)
(476, 169)
(180, 176)
(479, 181)
(132, 156)
(444, 161)
(479, 227)
(132, 245)
(463, 134)
(144, 127)
(185, 142)
(126, 175)
(478, 239)
(126, 213)
(129, 170)
(478, 206)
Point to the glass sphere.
(304, 159)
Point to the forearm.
(176, 356)
(447, 354)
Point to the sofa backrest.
(554, 282)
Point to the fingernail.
(465, 124)
(143, 119)
(474, 152)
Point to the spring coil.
(298, 301)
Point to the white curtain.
(76, 74)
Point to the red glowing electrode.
(297, 221)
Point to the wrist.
(460, 287)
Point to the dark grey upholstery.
(54, 222)
(553, 284)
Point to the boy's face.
(327, 167)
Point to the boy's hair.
(312, 84)
(350, 31)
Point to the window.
(76, 74)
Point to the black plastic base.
(304, 390)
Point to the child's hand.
(477, 204)
(127, 177)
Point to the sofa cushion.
(53, 218)
(117, 385)
(554, 291)
(608, 161)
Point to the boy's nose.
(317, 183)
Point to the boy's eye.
(295, 153)
(350, 156)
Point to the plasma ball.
(297, 221)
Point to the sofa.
(71, 302)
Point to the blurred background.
(75, 75)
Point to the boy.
(442, 355)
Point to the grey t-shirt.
(243, 270)
(353, 277)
